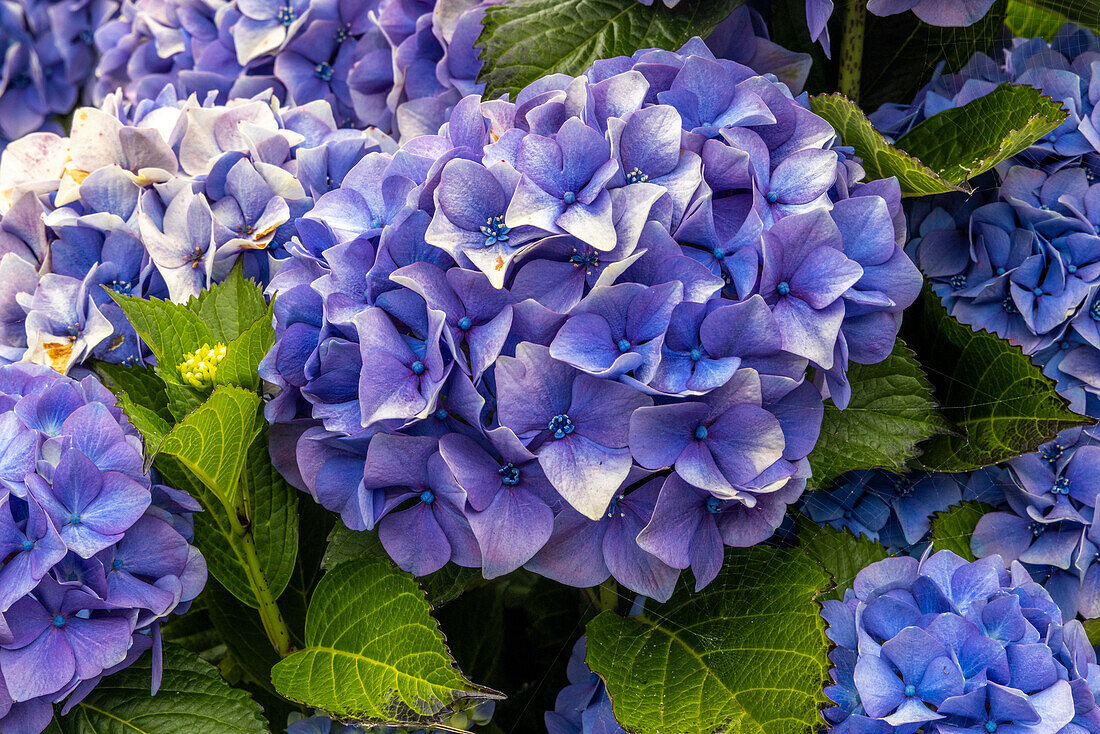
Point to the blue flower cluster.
(95, 555)
(159, 199)
(385, 63)
(49, 55)
(946, 646)
(582, 707)
(571, 332)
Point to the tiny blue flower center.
(427, 496)
(28, 545)
(1063, 345)
(376, 223)
(991, 726)
(783, 288)
(613, 508)
(58, 621)
(1037, 291)
(342, 34)
(701, 432)
(590, 260)
(509, 474)
(958, 281)
(465, 323)
(1051, 453)
(21, 81)
(636, 176)
(910, 690)
(847, 514)
(74, 519)
(116, 564)
(1000, 271)
(695, 355)
(323, 71)
(1010, 307)
(1071, 268)
(1061, 486)
(904, 487)
(713, 505)
(772, 197)
(561, 426)
(1037, 529)
(623, 345)
(719, 253)
(1052, 138)
(495, 230)
(87, 36)
(442, 414)
(122, 287)
(569, 197)
(417, 367)
(286, 15)
(1094, 310)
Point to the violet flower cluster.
(946, 646)
(582, 707)
(95, 555)
(383, 63)
(571, 332)
(49, 56)
(158, 199)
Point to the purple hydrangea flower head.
(948, 645)
(96, 554)
(575, 311)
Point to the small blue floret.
(713, 505)
(465, 323)
(427, 496)
(417, 367)
(772, 197)
(58, 621)
(623, 345)
(561, 426)
(701, 432)
(783, 288)
(569, 197)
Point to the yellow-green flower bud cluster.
(200, 366)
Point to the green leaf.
(192, 698)
(140, 383)
(182, 399)
(213, 440)
(243, 354)
(745, 654)
(880, 158)
(195, 632)
(373, 653)
(524, 40)
(890, 412)
(1081, 12)
(230, 307)
(1013, 116)
(841, 553)
(951, 529)
(238, 627)
(1000, 404)
(274, 514)
(169, 330)
(443, 586)
(1027, 21)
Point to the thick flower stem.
(851, 48)
(274, 624)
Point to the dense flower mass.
(158, 199)
(571, 332)
(934, 12)
(582, 707)
(95, 555)
(948, 646)
(48, 59)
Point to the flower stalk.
(851, 49)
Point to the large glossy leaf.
(192, 698)
(1000, 404)
(273, 510)
(841, 553)
(1081, 12)
(169, 330)
(373, 653)
(244, 352)
(745, 654)
(230, 307)
(891, 411)
(142, 384)
(1028, 21)
(524, 40)
(964, 142)
(880, 158)
(212, 441)
(951, 529)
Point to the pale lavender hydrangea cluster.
(946, 646)
(95, 554)
(571, 331)
(383, 63)
(158, 199)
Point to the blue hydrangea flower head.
(96, 554)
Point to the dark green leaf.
(240, 630)
(230, 307)
(880, 158)
(1027, 21)
(140, 383)
(373, 653)
(314, 522)
(182, 399)
(524, 40)
(890, 412)
(169, 330)
(195, 632)
(951, 530)
(747, 653)
(243, 353)
(443, 586)
(274, 514)
(1082, 12)
(213, 440)
(192, 698)
(1000, 404)
(1013, 116)
(841, 553)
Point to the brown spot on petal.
(58, 353)
(499, 265)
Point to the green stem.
(274, 624)
(851, 48)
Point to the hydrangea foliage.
(571, 331)
(96, 554)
